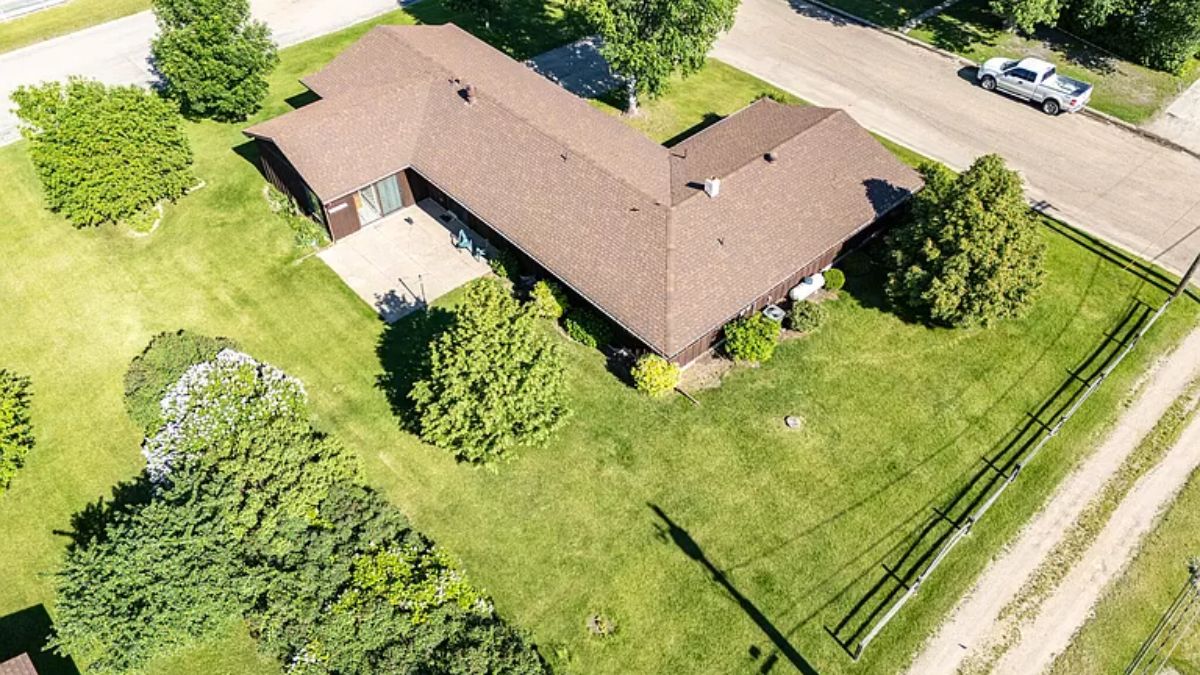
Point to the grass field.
(711, 535)
(66, 18)
(1132, 607)
(1123, 89)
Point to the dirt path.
(973, 626)
(1065, 612)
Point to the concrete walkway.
(1101, 178)
(1180, 122)
(578, 68)
(404, 261)
(116, 52)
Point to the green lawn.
(1123, 89)
(1132, 607)
(796, 522)
(66, 18)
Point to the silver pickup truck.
(1035, 80)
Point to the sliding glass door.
(378, 200)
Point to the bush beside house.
(807, 317)
(495, 381)
(104, 154)
(835, 280)
(752, 338)
(547, 300)
(654, 375)
(588, 327)
(16, 430)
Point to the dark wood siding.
(343, 217)
(280, 172)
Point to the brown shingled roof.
(609, 212)
(18, 665)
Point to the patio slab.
(405, 261)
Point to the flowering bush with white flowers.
(216, 400)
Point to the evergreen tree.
(213, 58)
(648, 41)
(496, 379)
(970, 253)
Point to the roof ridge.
(832, 112)
(664, 151)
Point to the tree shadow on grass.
(26, 632)
(670, 532)
(403, 352)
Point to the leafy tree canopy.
(970, 254)
(496, 380)
(649, 41)
(103, 154)
(160, 365)
(213, 58)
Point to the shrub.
(495, 380)
(588, 327)
(970, 254)
(16, 431)
(256, 515)
(306, 232)
(160, 365)
(807, 317)
(752, 338)
(547, 300)
(212, 57)
(103, 154)
(505, 264)
(835, 279)
(654, 375)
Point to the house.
(670, 243)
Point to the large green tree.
(212, 57)
(970, 253)
(484, 9)
(103, 154)
(496, 379)
(648, 41)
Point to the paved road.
(116, 52)
(1105, 180)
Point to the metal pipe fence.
(963, 528)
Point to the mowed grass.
(1134, 604)
(1122, 89)
(631, 507)
(66, 18)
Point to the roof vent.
(771, 157)
(712, 187)
(469, 93)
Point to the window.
(1022, 74)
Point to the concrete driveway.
(1105, 180)
(404, 261)
(116, 52)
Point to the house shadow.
(670, 532)
(904, 567)
(709, 119)
(403, 350)
(524, 29)
(26, 632)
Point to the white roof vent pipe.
(712, 187)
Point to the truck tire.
(1051, 107)
(988, 83)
